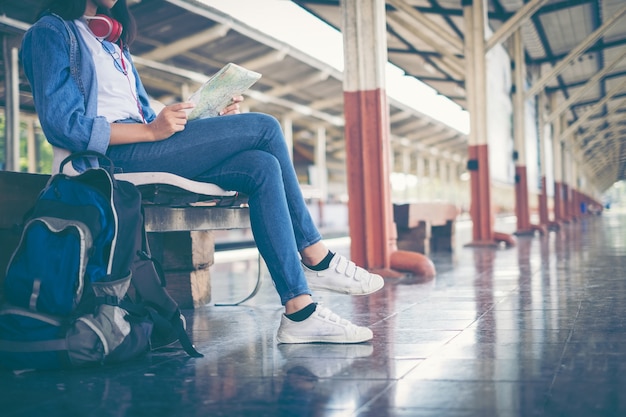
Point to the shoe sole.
(295, 340)
(314, 287)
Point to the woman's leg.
(207, 143)
(258, 174)
(247, 153)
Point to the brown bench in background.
(425, 227)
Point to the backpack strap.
(148, 280)
(166, 332)
(95, 156)
(183, 337)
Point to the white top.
(117, 94)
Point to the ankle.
(323, 264)
(298, 303)
(303, 314)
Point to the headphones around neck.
(105, 27)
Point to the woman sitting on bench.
(88, 95)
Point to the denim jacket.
(63, 79)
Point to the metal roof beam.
(593, 101)
(592, 81)
(451, 63)
(440, 137)
(513, 23)
(565, 4)
(318, 105)
(411, 126)
(577, 84)
(575, 53)
(208, 12)
(600, 136)
(424, 21)
(327, 102)
(431, 130)
(182, 45)
(315, 78)
(9, 25)
(399, 117)
(572, 128)
(594, 49)
(276, 55)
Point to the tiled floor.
(535, 330)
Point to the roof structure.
(574, 50)
(182, 42)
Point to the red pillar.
(544, 214)
(558, 202)
(367, 150)
(478, 151)
(521, 201)
(480, 209)
(566, 203)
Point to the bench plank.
(177, 219)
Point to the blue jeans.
(246, 153)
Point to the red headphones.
(105, 27)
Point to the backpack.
(81, 288)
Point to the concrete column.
(444, 184)
(567, 184)
(557, 153)
(432, 178)
(366, 111)
(287, 124)
(367, 133)
(478, 152)
(12, 106)
(406, 170)
(453, 182)
(442, 179)
(32, 150)
(185, 91)
(419, 171)
(544, 218)
(519, 112)
(320, 165)
(575, 189)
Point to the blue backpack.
(66, 292)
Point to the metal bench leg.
(254, 291)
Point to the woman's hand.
(170, 120)
(233, 107)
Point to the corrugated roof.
(550, 35)
(182, 41)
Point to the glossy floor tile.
(534, 330)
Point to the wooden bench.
(180, 236)
(425, 227)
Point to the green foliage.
(3, 143)
(42, 149)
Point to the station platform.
(534, 330)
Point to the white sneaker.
(343, 276)
(323, 326)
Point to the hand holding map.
(215, 94)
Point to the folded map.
(219, 90)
